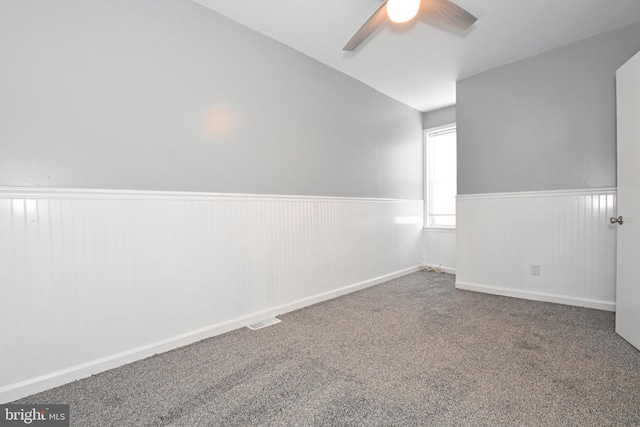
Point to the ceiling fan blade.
(449, 12)
(372, 24)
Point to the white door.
(628, 202)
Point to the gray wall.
(544, 123)
(439, 117)
(167, 95)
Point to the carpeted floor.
(410, 352)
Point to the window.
(440, 177)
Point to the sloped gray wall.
(168, 95)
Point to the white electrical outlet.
(535, 269)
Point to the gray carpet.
(410, 352)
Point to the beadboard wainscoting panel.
(566, 233)
(95, 279)
(440, 248)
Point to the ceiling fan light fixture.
(402, 10)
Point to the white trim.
(538, 296)
(439, 229)
(440, 128)
(110, 194)
(31, 386)
(549, 193)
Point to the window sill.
(441, 228)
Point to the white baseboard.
(537, 296)
(22, 389)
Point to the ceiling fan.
(405, 10)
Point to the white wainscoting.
(94, 279)
(566, 233)
(440, 248)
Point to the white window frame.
(428, 218)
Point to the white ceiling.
(419, 64)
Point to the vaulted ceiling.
(418, 63)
